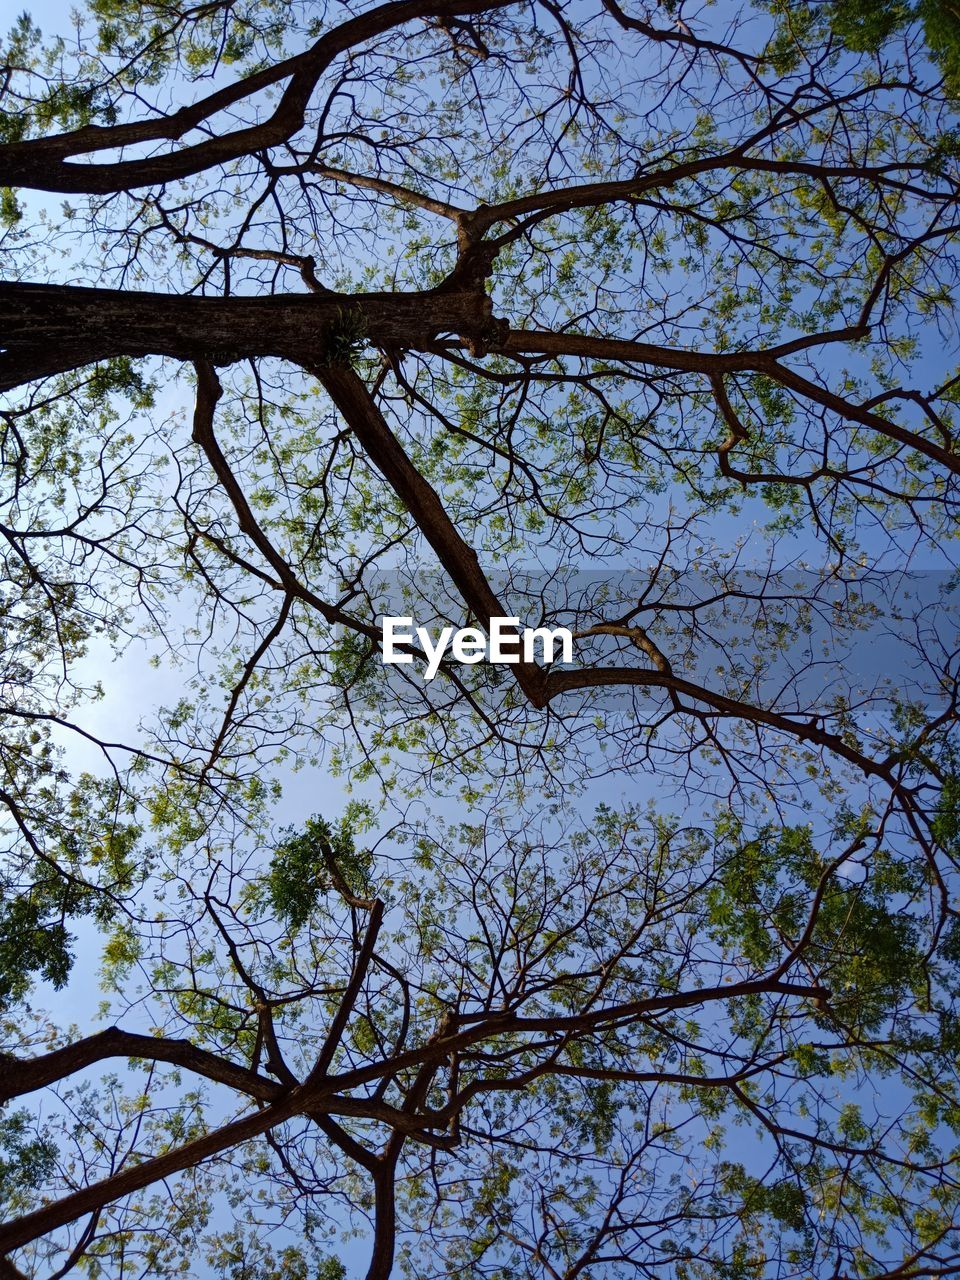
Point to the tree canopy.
(636, 319)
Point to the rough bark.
(50, 329)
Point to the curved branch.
(42, 164)
(19, 1076)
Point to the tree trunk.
(49, 329)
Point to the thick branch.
(41, 163)
(50, 329)
(530, 342)
(559, 682)
(312, 1095)
(22, 1230)
(460, 560)
(25, 1075)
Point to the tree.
(637, 321)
